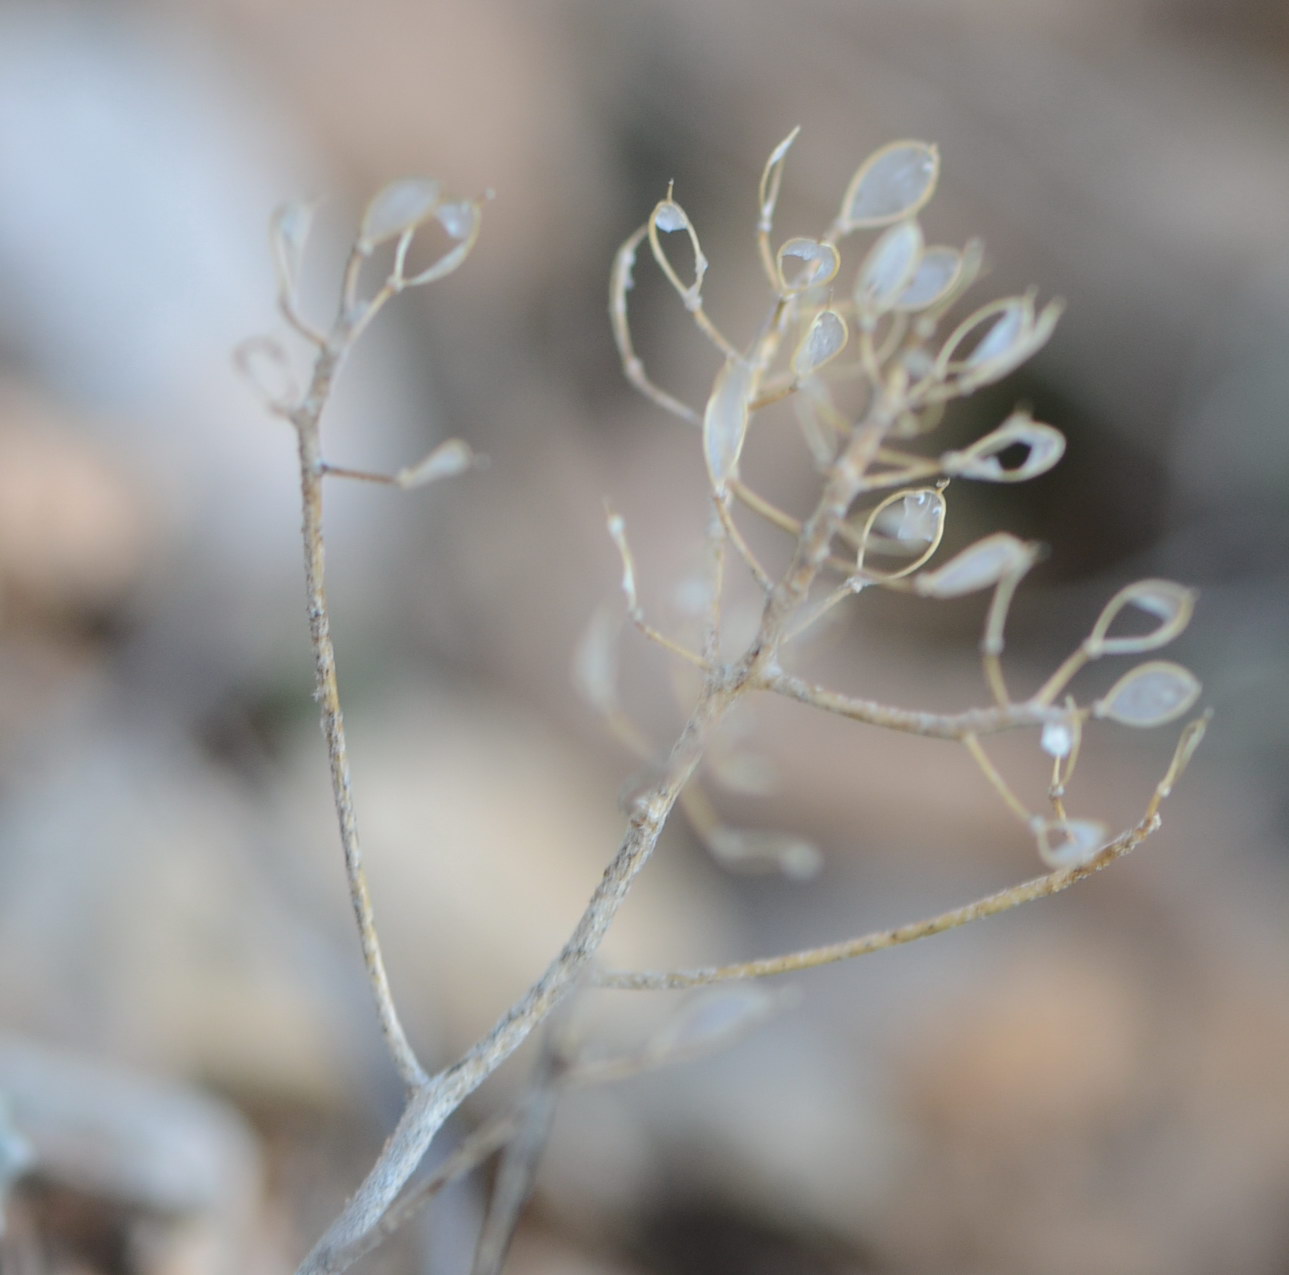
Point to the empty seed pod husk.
(824, 340)
(1152, 694)
(1171, 603)
(806, 263)
(906, 522)
(712, 1018)
(979, 566)
(289, 236)
(772, 179)
(936, 274)
(891, 184)
(669, 218)
(1044, 443)
(725, 421)
(889, 268)
(1069, 843)
(452, 456)
(396, 208)
(460, 220)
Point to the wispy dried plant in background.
(868, 374)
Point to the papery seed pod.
(452, 456)
(937, 273)
(618, 533)
(979, 566)
(772, 178)
(891, 184)
(396, 208)
(996, 340)
(1153, 693)
(1045, 446)
(725, 421)
(824, 340)
(912, 522)
(1069, 843)
(889, 268)
(806, 263)
(711, 1018)
(1172, 604)
(289, 236)
(460, 220)
(669, 218)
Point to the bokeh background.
(189, 1055)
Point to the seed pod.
(1150, 695)
(889, 185)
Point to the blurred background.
(190, 1067)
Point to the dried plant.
(869, 373)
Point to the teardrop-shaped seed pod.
(806, 263)
(617, 529)
(936, 274)
(986, 334)
(461, 220)
(595, 662)
(824, 340)
(906, 522)
(889, 185)
(1044, 444)
(288, 237)
(713, 1018)
(772, 179)
(725, 421)
(396, 208)
(669, 218)
(1069, 843)
(889, 268)
(1172, 604)
(979, 566)
(1150, 695)
(451, 457)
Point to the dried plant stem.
(992, 904)
(312, 471)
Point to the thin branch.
(312, 470)
(992, 904)
(975, 721)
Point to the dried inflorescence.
(868, 368)
(868, 374)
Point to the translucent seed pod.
(725, 422)
(906, 522)
(806, 263)
(1172, 604)
(889, 268)
(461, 220)
(772, 179)
(1045, 445)
(397, 208)
(669, 218)
(979, 566)
(1069, 843)
(595, 662)
(289, 236)
(451, 457)
(937, 273)
(1150, 695)
(891, 184)
(618, 533)
(824, 341)
(996, 340)
(713, 1018)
